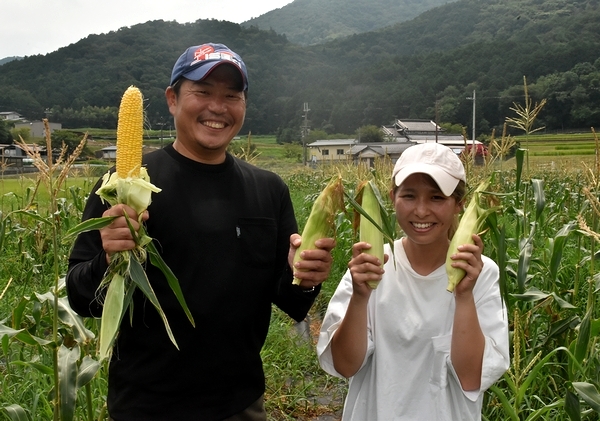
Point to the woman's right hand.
(117, 236)
(364, 268)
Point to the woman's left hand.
(468, 258)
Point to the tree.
(6, 137)
(370, 133)
(70, 139)
(22, 133)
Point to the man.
(227, 230)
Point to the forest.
(426, 68)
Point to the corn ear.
(368, 231)
(470, 223)
(130, 183)
(321, 221)
(130, 128)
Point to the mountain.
(310, 22)
(422, 68)
(9, 59)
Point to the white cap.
(433, 159)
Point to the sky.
(30, 27)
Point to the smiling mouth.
(213, 124)
(423, 225)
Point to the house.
(37, 129)
(350, 150)
(109, 153)
(13, 155)
(402, 135)
(427, 131)
(331, 150)
(367, 153)
(10, 116)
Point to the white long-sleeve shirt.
(407, 373)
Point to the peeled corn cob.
(130, 129)
(368, 231)
(470, 223)
(321, 221)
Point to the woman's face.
(423, 212)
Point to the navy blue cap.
(198, 61)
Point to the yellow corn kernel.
(321, 221)
(130, 133)
(368, 231)
(470, 223)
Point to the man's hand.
(117, 236)
(315, 265)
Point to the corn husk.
(470, 223)
(321, 221)
(370, 228)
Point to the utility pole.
(436, 121)
(305, 130)
(472, 98)
(162, 125)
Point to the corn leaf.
(523, 265)
(16, 412)
(589, 394)
(67, 374)
(157, 261)
(87, 370)
(68, 316)
(583, 337)
(42, 368)
(89, 225)
(558, 245)
(138, 276)
(539, 196)
(572, 406)
(506, 405)
(2, 231)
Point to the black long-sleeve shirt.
(224, 231)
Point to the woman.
(412, 350)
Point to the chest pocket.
(257, 240)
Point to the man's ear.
(171, 98)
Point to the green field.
(545, 241)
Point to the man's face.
(208, 114)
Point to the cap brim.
(201, 72)
(445, 181)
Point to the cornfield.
(545, 240)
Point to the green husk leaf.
(89, 225)
(112, 314)
(370, 202)
(138, 276)
(157, 261)
(321, 221)
(463, 235)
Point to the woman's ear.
(459, 206)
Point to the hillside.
(400, 71)
(8, 59)
(310, 22)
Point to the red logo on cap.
(202, 52)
